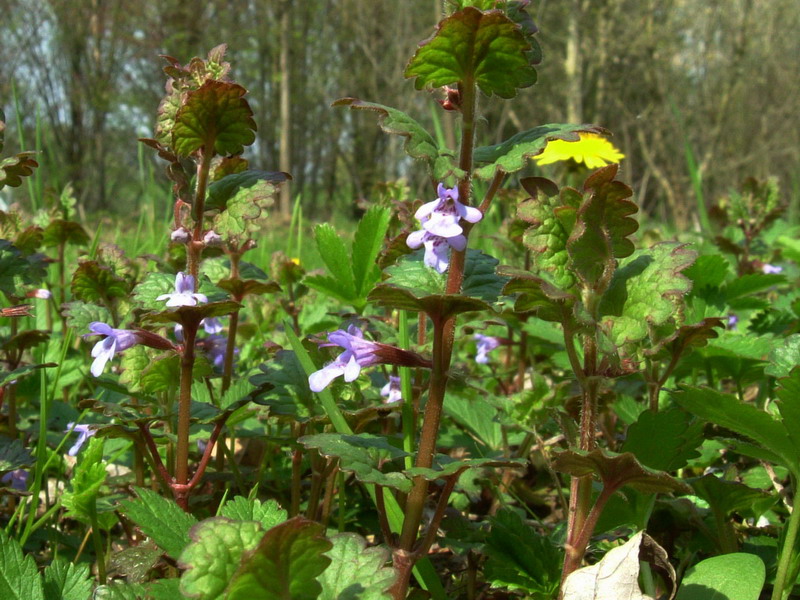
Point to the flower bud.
(212, 238)
(180, 235)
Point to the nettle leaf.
(87, 479)
(551, 214)
(602, 226)
(362, 455)
(470, 45)
(617, 470)
(419, 143)
(512, 155)
(520, 558)
(646, 290)
(745, 419)
(285, 564)
(664, 440)
(80, 314)
(60, 232)
(214, 116)
(92, 282)
(414, 286)
(160, 519)
(14, 168)
(214, 554)
(19, 576)
(257, 185)
(13, 455)
(736, 575)
(268, 513)
(64, 580)
(356, 572)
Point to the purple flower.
(17, 479)
(212, 325)
(212, 238)
(441, 229)
(216, 346)
(184, 294)
(84, 432)
(485, 344)
(358, 353)
(733, 321)
(116, 340)
(391, 391)
(771, 269)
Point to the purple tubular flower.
(358, 353)
(771, 269)
(84, 433)
(485, 344)
(17, 479)
(733, 321)
(116, 340)
(216, 346)
(441, 229)
(391, 391)
(184, 294)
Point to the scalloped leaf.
(14, 168)
(727, 497)
(231, 185)
(356, 572)
(93, 282)
(551, 213)
(16, 269)
(537, 295)
(285, 564)
(419, 143)
(416, 287)
(617, 470)
(602, 226)
(361, 455)
(242, 208)
(214, 116)
(64, 232)
(512, 155)
(188, 315)
(646, 290)
(664, 440)
(785, 357)
(215, 554)
(470, 45)
(239, 288)
(13, 455)
(268, 513)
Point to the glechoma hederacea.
(411, 414)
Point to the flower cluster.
(441, 229)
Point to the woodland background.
(698, 93)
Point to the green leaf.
(367, 244)
(536, 295)
(163, 373)
(251, 182)
(269, 513)
(89, 476)
(445, 466)
(192, 315)
(14, 168)
(239, 288)
(785, 357)
(251, 197)
(745, 419)
(151, 287)
(13, 455)
(416, 287)
(80, 314)
(485, 47)
(160, 519)
(736, 576)
(15, 269)
(135, 563)
(65, 232)
(664, 440)
(334, 254)
(419, 143)
(214, 117)
(749, 284)
(214, 555)
(363, 455)
(726, 497)
(616, 470)
(356, 572)
(286, 385)
(512, 155)
(64, 580)
(285, 564)
(520, 558)
(647, 289)
(92, 282)
(602, 226)
(19, 577)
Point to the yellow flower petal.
(593, 150)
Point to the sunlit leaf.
(19, 577)
(160, 519)
(356, 572)
(736, 576)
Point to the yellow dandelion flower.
(592, 149)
